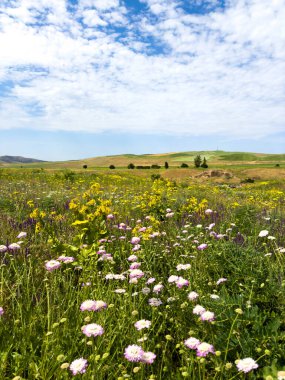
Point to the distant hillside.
(18, 159)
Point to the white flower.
(263, 233)
(246, 365)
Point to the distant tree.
(111, 167)
(131, 166)
(155, 166)
(183, 165)
(204, 163)
(277, 165)
(198, 161)
(166, 165)
(84, 166)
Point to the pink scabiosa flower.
(157, 288)
(150, 280)
(183, 266)
(3, 248)
(135, 240)
(142, 324)
(135, 265)
(134, 353)
(192, 296)
(169, 214)
(207, 316)
(203, 349)
(246, 365)
(155, 302)
(78, 366)
(208, 211)
(181, 282)
(132, 258)
(110, 217)
(148, 357)
(22, 235)
(136, 273)
(88, 305)
(136, 248)
(192, 343)
(221, 280)
(100, 305)
(199, 310)
(92, 330)
(66, 259)
(172, 279)
(14, 247)
(52, 265)
(1, 311)
(203, 246)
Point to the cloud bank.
(163, 66)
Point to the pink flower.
(92, 330)
(52, 265)
(135, 265)
(22, 235)
(208, 316)
(14, 247)
(78, 366)
(1, 311)
(3, 248)
(136, 273)
(148, 357)
(134, 353)
(208, 211)
(192, 343)
(203, 246)
(192, 296)
(157, 288)
(199, 310)
(221, 280)
(132, 258)
(181, 282)
(203, 349)
(91, 305)
(135, 240)
(142, 324)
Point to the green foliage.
(131, 166)
(197, 161)
(112, 167)
(166, 166)
(183, 165)
(204, 163)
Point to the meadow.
(114, 275)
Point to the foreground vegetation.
(182, 280)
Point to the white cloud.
(168, 71)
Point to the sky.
(86, 78)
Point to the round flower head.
(157, 288)
(14, 247)
(203, 349)
(3, 248)
(135, 240)
(221, 280)
(66, 259)
(173, 278)
(136, 273)
(192, 343)
(208, 316)
(181, 282)
(22, 235)
(135, 265)
(183, 266)
(110, 216)
(154, 302)
(148, 357)
(203, 246)
(142, 324)
(52, 265)
(1, 311)
(78, 366)
(263, 233)
(92, 330)
(192, 296)
(134, 353)
(208, 211)
(246, 365)
(150, 280)
(88, 305)
(198, 310)
(132, 258)
(99, 305)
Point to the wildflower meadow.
(115, 276)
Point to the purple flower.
(91, 305)
(148, 357)
(203, 246)
(192, 343)
(66, 259)
(135, 265)
(78, 366)
(199, 310)
(3, 248)
(1, 311)
(208, 316)
(181, 282)
(92, 330)
(134, 353)
(157, 288)
(22, 235)
(14, 247)
(154, 302)
(136, 273)
(52, 265)
(142, 324)
(135, 240)
(132, 258)
(203, 349)
(192, 296)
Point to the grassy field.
(219, 159)
(118, 275)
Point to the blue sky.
(82, 78)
